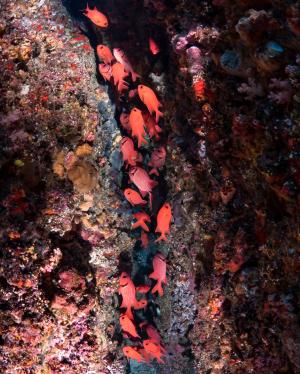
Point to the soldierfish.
(151, 126)
(104, 54)
(128, 326)
(98, 18)
(144, 239)
(143, 289)
(105, 71)
(119, 73)
(164, 218)
(122, 59)
(149, 98)
(153, 349)
(136, 122)
(154, 336)
(141, 218)
(129, 154)
(158, 159)
(141, 179)
(154, 48)
(134, 197)
(159, 273)
(132, 353)
(127, 291)
(124, 120)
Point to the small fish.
(136, 122)
(159, 273)
(132, 353)
(134, 197)
(129, 154)
(141, 179)
(124, 120)
(149, 98)
(105, 71)
(119, 73)
(104, 54)
(164, 218)
(122, 59)
(98, 18)
(141, 218)
(127, 291)
(154, 336)
(158, 159)
(154, 48)
(153, 349)
(144, 239)
(152, 126)
(128, 326)
(143, 289)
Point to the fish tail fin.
(142, 141)
(162, 237)
(158, 129)
(158, 114)
(143, 193)
(154, 171)
(143, 202)
(134, 76)
(129, 313)
(144, 226)
(158, 288)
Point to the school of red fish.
(141, 126)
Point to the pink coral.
(251, 89)
(281, 93)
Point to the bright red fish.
(136, 122)
(141, 179)
(159, 273)
(152, 127)
(124, 120)
(98, 18)
(158, 159)
(122, 59)
(149, 98)
(119, 73)
(127, 291)
(132, 353)
(134, 197)
(141, 218)
(143, 289)
(153, 349)
(164, 218)
(130, 155)
(128, 326)
(104, 54)
(154, 48)
(154, 336)
(105, 71)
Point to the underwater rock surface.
(227, 73)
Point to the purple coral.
(281, 91)
(251, 89)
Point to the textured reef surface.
(228, 75)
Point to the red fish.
(141, 304)
(119, 73)
(128, 326)
(141, 218)
(122, 59)
(130, 155)
(153, 349)
(134, 197)
(152, 127)
(159, 273)
(104, 54)
(98, 18)
(136, 122)
(158, 158)
(143, 289)
(127, 290)
(105, 71)
(154, 48)
(124, 120)
(141, 179)
(164, 218)
(132, 353)
(149, 98)
(154, 336)
(144, 239)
